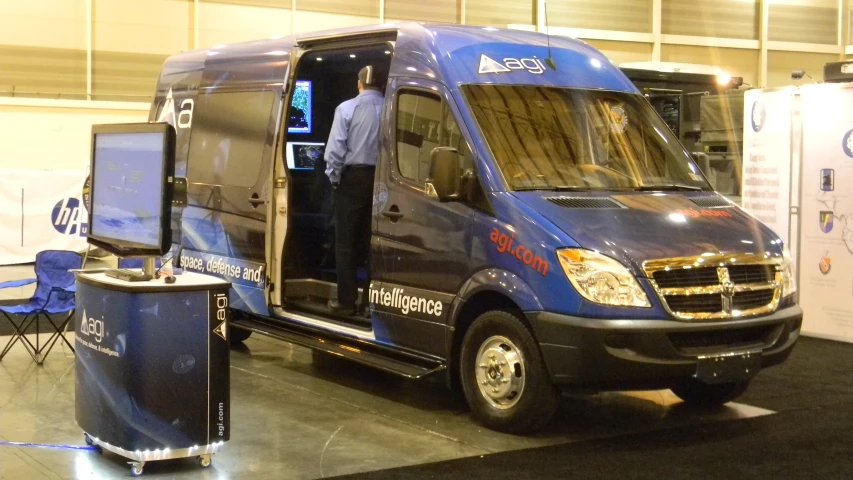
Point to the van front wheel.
(504, 377)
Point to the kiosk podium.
(152, 366)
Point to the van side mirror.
(444, 179)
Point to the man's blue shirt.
(354, 139)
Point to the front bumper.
(623, 354)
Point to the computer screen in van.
(303, 156)
(300, 110)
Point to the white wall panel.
(806, 24)
(781, 64)
(36, 138)
(314, 21)
(43, 23)
(499, 13)
(444, 11)
(711, 18)
(621, 15)
(223, 23)
(142, 26)
(734, 61)
(623, 52)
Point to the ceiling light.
(351, 55)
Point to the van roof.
(452, 54)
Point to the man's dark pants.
(353, 211)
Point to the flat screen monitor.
(303, 155)
(301, 108)
(132, 170)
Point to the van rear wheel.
(504, 377)
(238, 335)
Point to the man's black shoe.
(338, 309)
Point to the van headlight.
(601, 279)
(789, 281)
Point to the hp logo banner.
(69, 218)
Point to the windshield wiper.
(668, 188)
(563, 188)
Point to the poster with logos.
(826, 248)
(41, 210)
(767, 160)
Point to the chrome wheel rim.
(500, 372)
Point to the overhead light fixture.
(387, 52)
(351, 55)
(319, 59)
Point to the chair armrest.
(69, 289)
(17, 283)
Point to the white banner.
(826, 253)
(767, 150)
(40, 210)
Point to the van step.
(381, 357)
(323, 310)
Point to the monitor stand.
(148, 266)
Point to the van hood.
(639, 226)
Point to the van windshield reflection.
(568, 139)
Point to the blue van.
(536, 226)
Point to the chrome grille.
(717, 286)
(694, 277)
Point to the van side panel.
(174, 100)
(235, 124)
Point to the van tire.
(704, 395)
(518, 396)
(236, 336)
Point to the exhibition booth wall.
(43, 166)
(797, 172)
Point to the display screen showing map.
(303, 156)
(300, 110)
(127, 188)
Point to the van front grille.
(717, 286)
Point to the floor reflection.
(296, 414)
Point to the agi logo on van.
(490, 65)
(504, 244)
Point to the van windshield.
(551, 138)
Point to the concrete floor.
(294, 418)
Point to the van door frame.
(280, 173)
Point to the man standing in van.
(351, 155)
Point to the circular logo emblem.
(618, 119)
(87, 186)
(847, 144)
(380, 197)
(68, 218)
(759, 116)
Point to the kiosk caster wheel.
(92, 443)
(204, 460)
(136, 468)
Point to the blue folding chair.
(54, 294)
